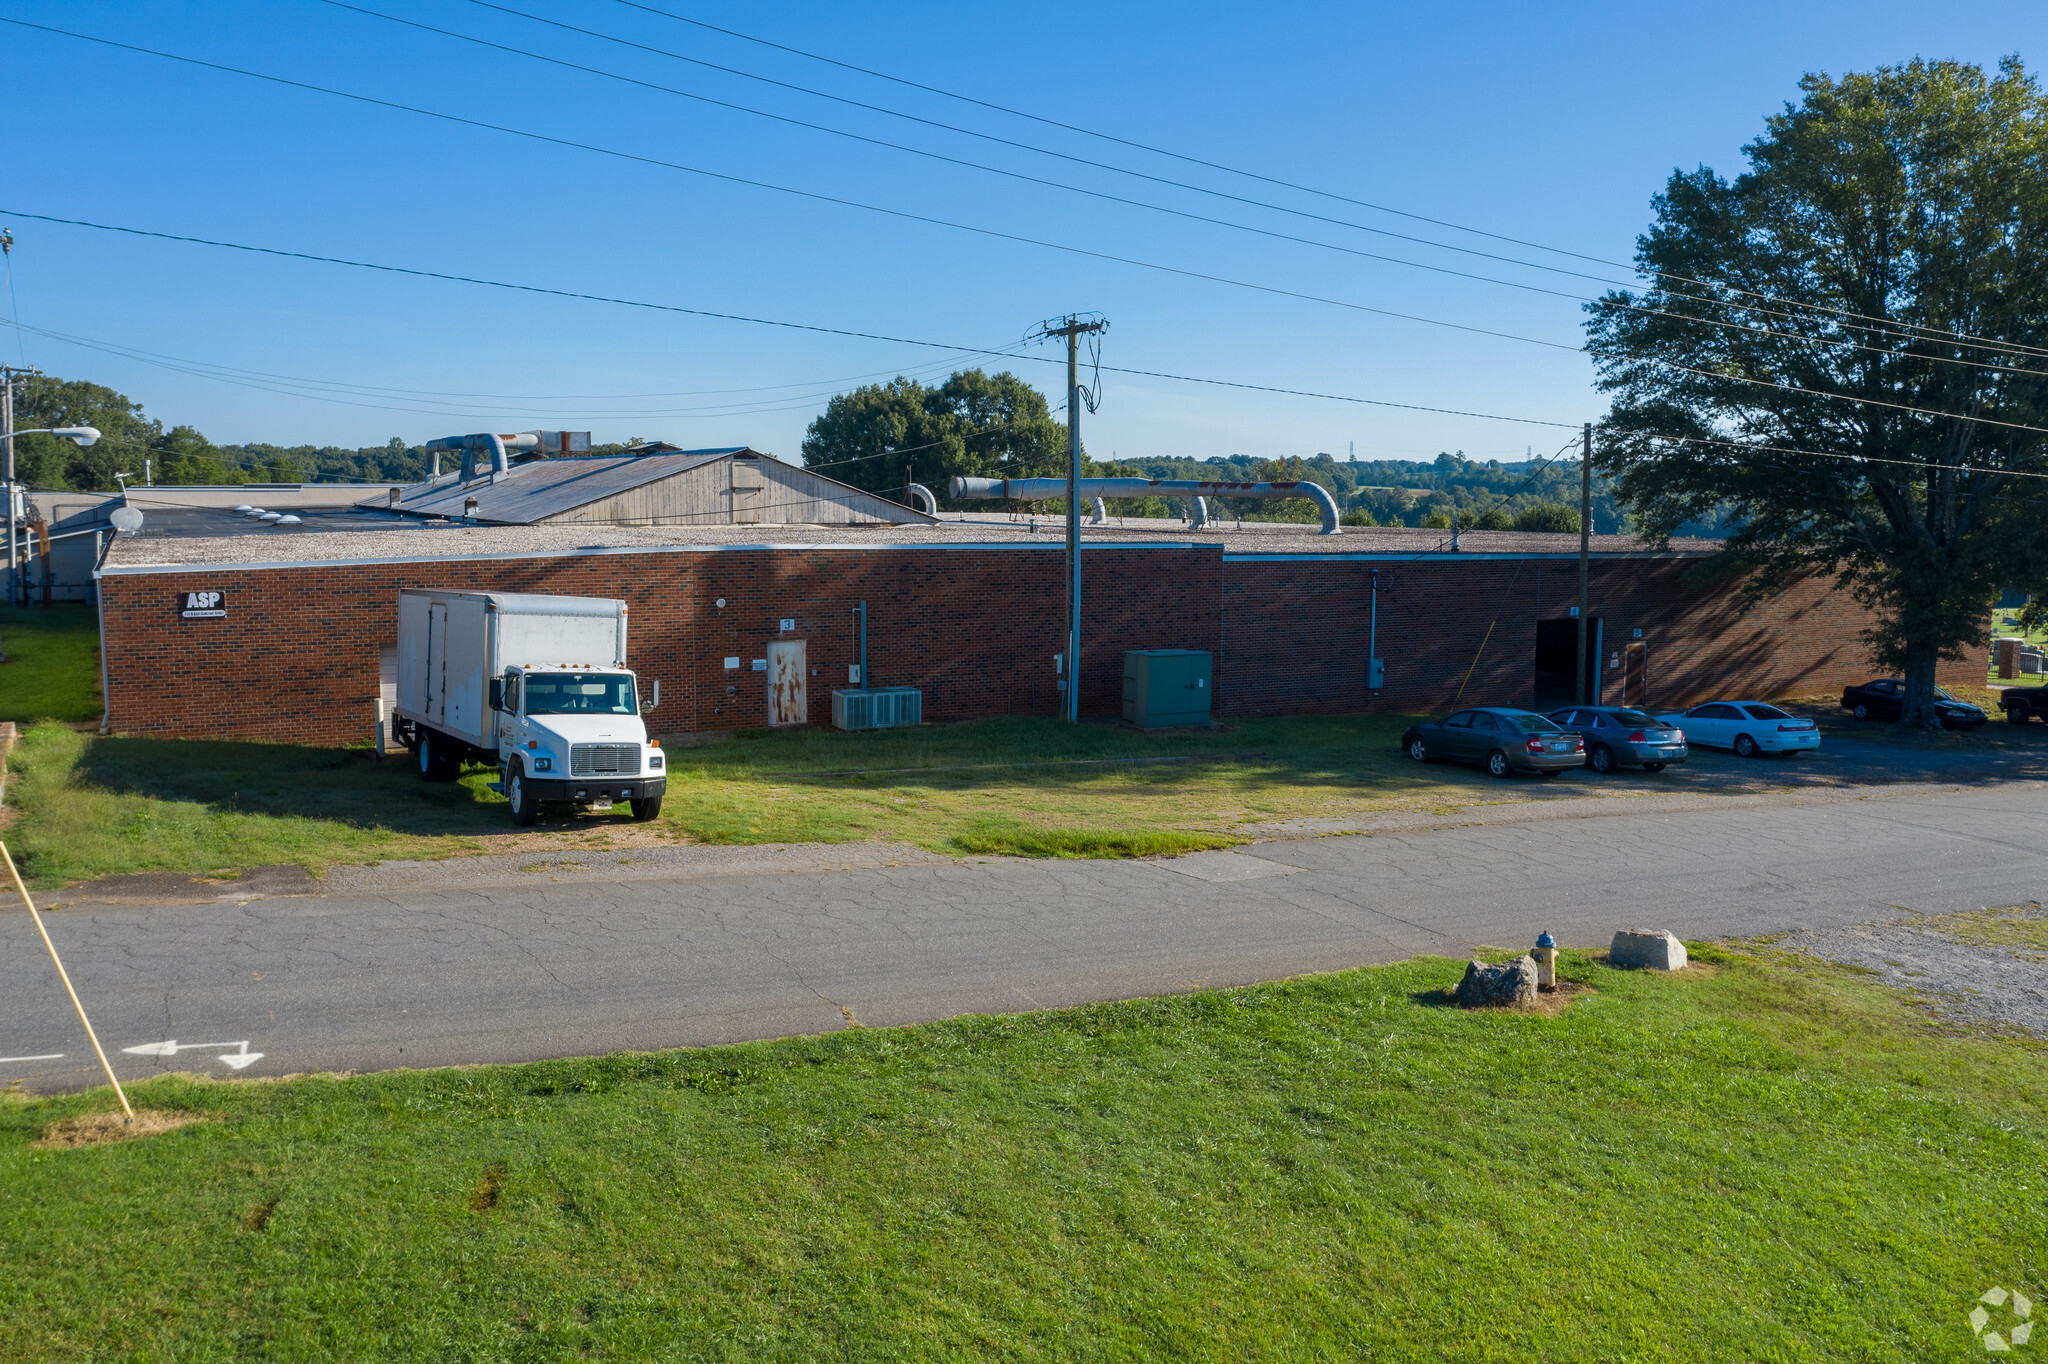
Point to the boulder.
(1655, 949)
(1511, 982)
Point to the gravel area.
(401, 539)
(1990, 966)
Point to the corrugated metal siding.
(722, 487)
(744, 492)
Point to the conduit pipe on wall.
(1191, 489)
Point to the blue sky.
(1554, 124)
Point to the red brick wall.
(1295, 633)
(296, 658)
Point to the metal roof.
(537, 489)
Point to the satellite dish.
(127, 520)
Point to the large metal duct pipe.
(499, 449)
(928, 504)
(1192, 489)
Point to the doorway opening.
(1635, 676)
(1557, 677)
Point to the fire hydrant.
(1546, 962)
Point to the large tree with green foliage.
(973, 425)
(1848, 346)
(126, 436)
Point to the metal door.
(1635, 681)
(437, 663)
(788, 697)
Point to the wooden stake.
(65, 977)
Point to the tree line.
(883, 437)
(179, 455)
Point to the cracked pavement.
(492, 961)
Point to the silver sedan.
(1618, 736)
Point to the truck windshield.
(579, 694)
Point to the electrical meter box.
(1166, 687)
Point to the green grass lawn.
(53, 662)
(1766, 1160)
(91, 806)
(1017, 785)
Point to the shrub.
(1548, 516)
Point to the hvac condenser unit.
(877, 708)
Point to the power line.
(313, 389)
(758, 321)
(1980, 342)
(620, 77)
(814, 195)
(939, 222)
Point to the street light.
(84, 435)
(81, 435)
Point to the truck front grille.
(604, 760)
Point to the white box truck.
(536, 686)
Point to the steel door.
(437, 663)
(788, 696)
(1634, 677)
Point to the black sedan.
(1501, 740)
(1882, 699)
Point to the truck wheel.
(525, 804)
(2016, 715)
(436, 762)
(646, 809)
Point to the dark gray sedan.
(1501, 740)
(1617, 736)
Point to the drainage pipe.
(1195, 490)
(924, 496)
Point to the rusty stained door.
(788, 697)
(1635, 678)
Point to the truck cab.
(573, 735)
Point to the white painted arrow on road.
(237, 1059)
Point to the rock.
(1511, 982)
(1656, 949)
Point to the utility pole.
(1073, 329)
(1585, 549)
(9, 374)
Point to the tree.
(974, 425)
(1841, 351)
(126, 436)
(1553, 517)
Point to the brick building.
(971, 613)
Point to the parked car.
(1620, 736)
(1501, 740)
(1882, 699)
(2021, 702)
(1748, 727)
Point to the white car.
(1748, 727)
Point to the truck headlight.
(654, 762)
(543, 763)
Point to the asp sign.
(202, 605)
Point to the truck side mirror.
(497, 693)
(653, 700)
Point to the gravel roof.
(308, 544)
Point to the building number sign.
(202, 605)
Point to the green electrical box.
(1165, 687)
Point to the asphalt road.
(435, 971)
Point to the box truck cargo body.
(537, 685)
